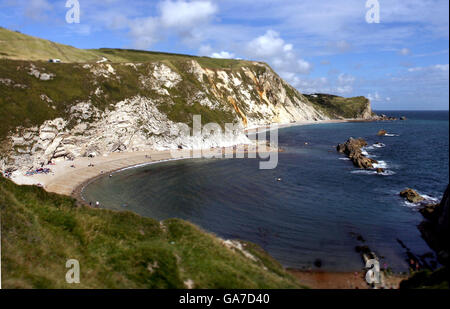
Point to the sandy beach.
(67, 176)
(316, 279)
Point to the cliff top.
(19, 46)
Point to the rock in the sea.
(381, 132)
(384, 117)
(380, 170)
(402, 118)
(411, 195)
(352, 148)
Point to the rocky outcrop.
(411, 195)
(382, 132)
(352, 148)
(435, 228)
(384, 117)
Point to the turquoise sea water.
(322, 202)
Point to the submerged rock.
(411, 195)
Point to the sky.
(396, 56)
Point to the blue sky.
(316, 45)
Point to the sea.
(315, 205)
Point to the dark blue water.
(321, 202)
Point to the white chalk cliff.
(251, 96)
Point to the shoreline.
(322, 279)
(66, 180)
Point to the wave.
(346, 159)
(380, 164)
(378, 145)
(430, 198)
(391, 134)
(372, 172)
(410, 205)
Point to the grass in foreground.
(41, 231)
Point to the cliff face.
(436, 227)
(57, 111)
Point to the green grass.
(41, 231)
(18, 46)
(335, 106)
(14, 45)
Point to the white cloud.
(271, 48)
(144, 31)
(182, 14)
(268, 45)
(205, 50)
(222, 54)
(374, 97)
(404, 51)
(436, 67)
(310, 85)
(37, 9)
(184, 18)
(344, 84)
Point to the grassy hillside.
(336, 106)
(41, 231)
(15, 45)
(18, 46)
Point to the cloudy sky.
(316, 45)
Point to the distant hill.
(340, 107)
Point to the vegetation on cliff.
(41, 231)
(19, 46)
(339, 107)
